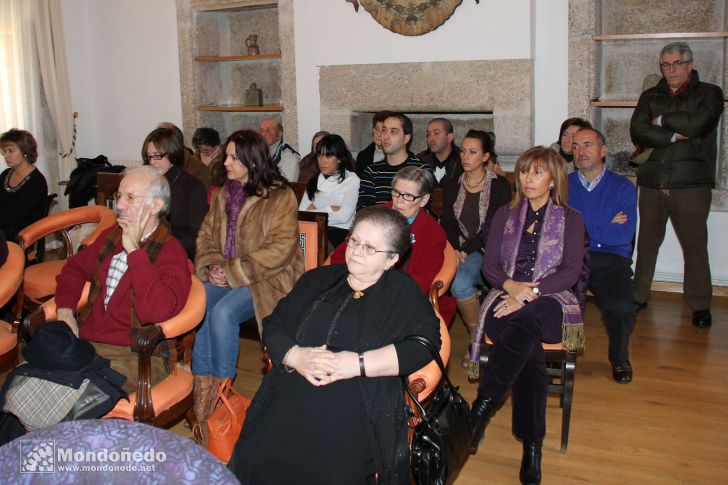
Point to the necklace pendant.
(358, 294)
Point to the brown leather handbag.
(226, 420)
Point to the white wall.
(124, 72)
(670, 258)
(551, 69)
(331, 33)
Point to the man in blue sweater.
(608, 203)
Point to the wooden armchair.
(313, 238)
(11, 275)
(39, 280)
(443, 279)
(166, 402)
(424, 381)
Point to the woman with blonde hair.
(533, 259)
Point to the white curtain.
(34, 87)
(21, 103)
(48, 23)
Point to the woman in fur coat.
(248, 255)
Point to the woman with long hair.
(334, 188)
(469, 203)
(533, 260)
(248, 256)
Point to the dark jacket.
(453, 168)
(365, 158)
(694, 113)
(3, 249)
(188, 207)
(194, 166)
(23, 205)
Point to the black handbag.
(440, 442)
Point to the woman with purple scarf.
(533, 259)
(248, 256)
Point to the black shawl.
(394, 307)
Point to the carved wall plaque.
(409, 17)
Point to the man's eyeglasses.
(407, 197)
(156, 156)
(667, 65)
(368, 250)
(129, 197)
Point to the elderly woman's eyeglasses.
(368, 250)
(156, 156)
(129, 197)
(407, 197)
(667, 65)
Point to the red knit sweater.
(160, 290)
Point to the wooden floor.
(669, 426)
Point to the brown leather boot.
(469, 310)
(204, 393)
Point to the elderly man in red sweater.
(138, 272)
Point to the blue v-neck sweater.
(613, 194)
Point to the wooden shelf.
(260, 57)
(663, 35)
(613, 104)
(239, 108)
(229, 6)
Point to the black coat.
(3, 249)
(453, 167)
(694, 113)
(394, 308)
(188, 207)
(365, 158)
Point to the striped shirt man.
(376, 181)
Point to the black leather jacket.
(694, 113)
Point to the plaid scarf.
(152, 246)
(548, 257)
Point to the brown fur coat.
(269, 258)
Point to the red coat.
(423, 261)
(160, 290)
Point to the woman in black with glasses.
(331, 410)
(163, 151)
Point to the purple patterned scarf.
(483, 203)
(548, 258)
(234, 200)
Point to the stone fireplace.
(489, 95)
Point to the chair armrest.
(191, 314)
(150, 337)
(32, 322)
(11, 273)
(434, 294)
